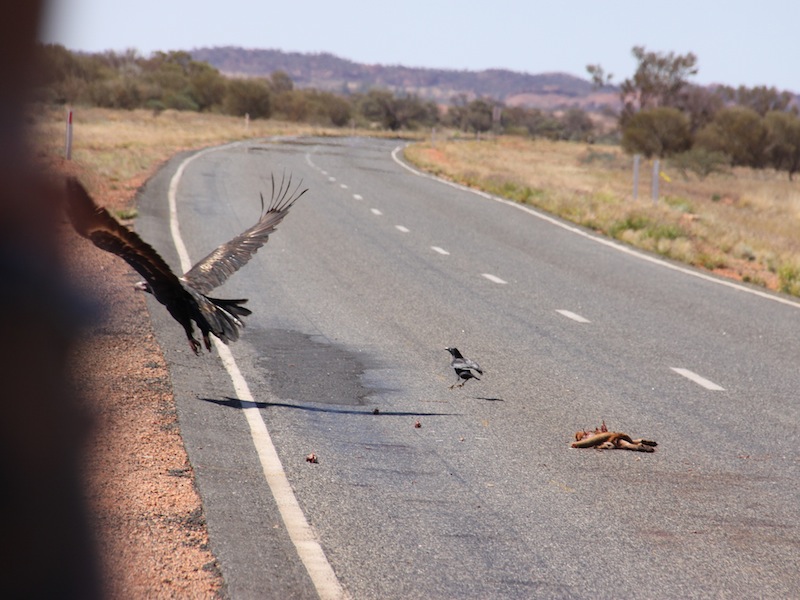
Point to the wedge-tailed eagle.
(185, 297)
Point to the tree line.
(703, 129)
(700, 129)
(173, 80)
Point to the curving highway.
(372, 274)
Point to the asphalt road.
(355, 297)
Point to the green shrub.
(700, 161)
(738, 132)
(789, 279)
(658, 132)
(248, 96)
(666, 231)
(678, 203)
(629, 223)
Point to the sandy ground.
(150, 526)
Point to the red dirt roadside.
(150, 526)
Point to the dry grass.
(122, 148)
(744, 224)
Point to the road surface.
(372, 274)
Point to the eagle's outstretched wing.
(96, 224)
(214, 269)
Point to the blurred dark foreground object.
(46, 544)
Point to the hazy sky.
(737, 42)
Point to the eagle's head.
(143, 286)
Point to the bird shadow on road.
(240, 404)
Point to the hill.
(325, 71)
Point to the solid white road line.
(493, 278)
(180, 247)
(709, 385)
(401, 228)
(573, 316)
(441, 251)
(375, 211)
(300, 532)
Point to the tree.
(248, 96)
(661, 132)
(513, 119)
(395, 113)
(738, 132)
(700, 104)
(281, 82)
(411, 112)
(600, 78)
(339, 110)
(174, 80)
(291, 105)
(63, 76)
(379, 106)
(783, 147)
(323, 108)
(659, 78)
(577, 125)
(543, 124)
(479, 115)
(456, 115)
(206, 86)
(761, 99)
(120, 92)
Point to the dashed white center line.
(573, 316)
(358, 196)
(493, 278)
(441, 251)
(702, 381)
(343, 186)
(401, 228)
(331, 179)
(375, 211)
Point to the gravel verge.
(148, 516)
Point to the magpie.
(465, 368)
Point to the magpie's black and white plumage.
(184, 297)
(465, 368)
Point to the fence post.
(637, 160)
(497, 114)
(656, 171)
(68, 143)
